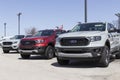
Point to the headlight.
(58, 39)
(94, 38)
(15, 42)
(40, 41)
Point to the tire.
(105, 58)
(49, 52)
(25, 56)
(17, 51)
(118, 56)
(62, 62)
(6, 51)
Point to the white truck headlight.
(40, 41)
(58, 40)
(94, 38)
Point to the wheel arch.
(107, 43)
(51, 44)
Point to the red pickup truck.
(42, 43)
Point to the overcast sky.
(46, 14)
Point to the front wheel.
(105, 58)
(62, 62)
(24, 56)
(118, 56)
(50, 52)
(6, 51)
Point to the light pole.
(19, 21)
(5, 29)
(85, 4)
(118, 15)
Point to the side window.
(108, 27)
(111, 28)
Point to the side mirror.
(118, 30)
(56, 36)
(112, 30)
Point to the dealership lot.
(12, 67)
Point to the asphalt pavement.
(12, 67)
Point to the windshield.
(44, 33)
(28, 36)
(89, 27)
(58, 32)
(18, 37)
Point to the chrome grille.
(74, 41)
(7, 43)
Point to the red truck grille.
(26, 43)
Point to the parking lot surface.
(12, 67)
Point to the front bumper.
(10, 47)
(90, 52)
(36, 50)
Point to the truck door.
(113, 37)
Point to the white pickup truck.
(97, 41)
(11, 44)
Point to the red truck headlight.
(40, 41)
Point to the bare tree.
(31, 30)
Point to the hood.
(34, 38)
(12, 40)
(83, 33)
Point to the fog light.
(99, 50)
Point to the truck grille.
(81, 41)
(27, 43)
(7, 43)
(27, 48)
